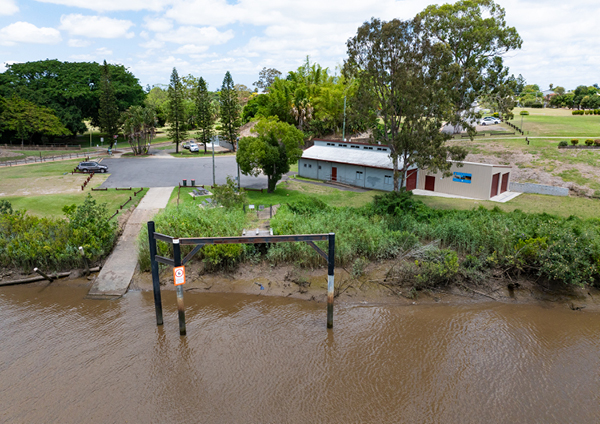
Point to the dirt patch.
(47, 185)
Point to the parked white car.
(490, 120)
(194, 147)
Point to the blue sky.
(209, 37)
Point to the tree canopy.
(205, 113)
(229, 110)
(70, 89)
(177, 129)
(23, 119)
(275, 147)
(406, 77)
(476, 36)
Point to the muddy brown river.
(255, 359)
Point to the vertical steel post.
(212, 142)
(180, 305)
(155, 279)
(330, 279)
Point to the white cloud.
(24, 32)
(76, 42)
(96, 26)
(8, 7)
(158, 24)
(191, 49)
(113, 5)
(205, 36)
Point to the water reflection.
(256, 359)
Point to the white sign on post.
(179, 275)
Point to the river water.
(254, 359)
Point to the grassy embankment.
(44, 189)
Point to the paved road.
(170, 171)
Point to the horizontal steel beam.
(251, 240)
(162, 237)
(165, 261)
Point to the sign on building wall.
(461, 177)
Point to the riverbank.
(370, 288)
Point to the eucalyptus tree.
(205, 114)
(476, 36)
(404, 76)
(229, 110)
(177, 129)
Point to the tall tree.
(266, 78)
(275, 147)
(177, 129)
(476, 36)
(205, 114)
(404, 76)
(139, 125)
(229, 111)
(23, 118)
(108, 113)
(71, 89)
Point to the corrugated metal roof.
(373, 159)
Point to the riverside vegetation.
(432, 247)
(28, 241)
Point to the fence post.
(330, 279)
(155, 278)
(180, 305)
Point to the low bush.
(524, 113)
(596, 142)
(496, 115)
(589, 142)
(563, 144)
(574, 142)
(53, 244)
(587, 112)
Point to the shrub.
(587, 112)
(574, 112)
(589, 142)
(563, 144)
(227, 195)
(496, 115)
(597, 142)
(524, 112)
(574, 142)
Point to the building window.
(319, 166)
(305, 165)
(310, 166)
(359, 175)
(387, 179)
(379, 148)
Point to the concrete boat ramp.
(114, 278)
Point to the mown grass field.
(557, 123)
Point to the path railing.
(34, 159)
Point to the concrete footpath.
(115, 276)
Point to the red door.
(411, 180)
(430, 183)
(333, 173)
(504, 186)
(495, 181)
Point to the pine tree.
(177, 130)
(205, 118)
(108, 113)
(230, 110)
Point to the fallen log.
(40, 278)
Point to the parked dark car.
(92, 167)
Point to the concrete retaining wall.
(539, 189)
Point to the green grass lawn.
(45, 169)
(557, 123)
(51, 205)
(531, 203)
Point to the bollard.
(185, 183)
(330, 279)
(193, 183)
(180, 305)
(155, 277)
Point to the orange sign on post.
(179, 275)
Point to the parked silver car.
(92, 167)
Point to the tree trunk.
(396, 173)
(271, 184)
